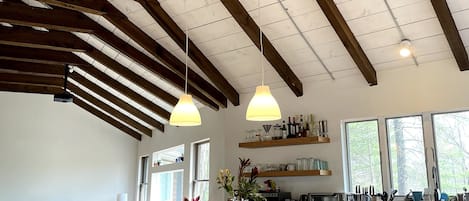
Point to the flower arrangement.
(194, 199)
(247, 188)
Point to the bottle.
(289, 127)
(295, 126)
(284, 130)
(301, 127)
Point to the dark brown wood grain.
(451, 32)
(42, 39)
(348, 39)
(19, 66)
(271, 54)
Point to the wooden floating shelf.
(293, 173)
(286, 142)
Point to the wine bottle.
(289, 127)
(295, 126)
(301, 127)
(284, 130)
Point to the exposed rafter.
(110, 110)
(178, 35)
(117, 101)
(93, 87)
(348, 39)
(29, 54)
(19, 66)
(452, 33)
(59, 40)
(271, 54)
(26, 16)
(112, 14)
(22, 88)
(58, 82)
(17, 36)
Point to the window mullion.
(429, 140)
(384, 153)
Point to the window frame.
(429, 148)
(195, 159)
(348, 168)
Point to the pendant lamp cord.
(261, 43)
(187, 52)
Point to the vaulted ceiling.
(128, 55)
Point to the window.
(167, 186)
(143, 179)
(407, 153)
(364, 154)
(452, 147)
(202, 167)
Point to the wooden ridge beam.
(451, 32)
(110, 110)
(63, 57)
(120, 20)
(271, 54)
(37, 17)
(117, 101)
(42, 39)
(34, 38)
(107, 118)
(348, 39)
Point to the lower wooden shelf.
(293, 173)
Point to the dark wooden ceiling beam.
(178, 35)
(451, 32)
(117, 101)
(21, 14)
(120, 20)
(21, 88)
(30, 54)
(58, 82)
(49, 82)
(348, 39)
(9, 52)
(271, 54)
(107, 118)
(20, 36)
(31, 79)
(110, 110)
(25, 16)
(27, 88)
(57, 41)
(19, 66)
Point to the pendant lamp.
(263, 106)
(185, 113)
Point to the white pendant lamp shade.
(263, 106)
(185, 113)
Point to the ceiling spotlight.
(405, 50)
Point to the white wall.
(436, 86)
(212, 128)
(59, 152)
